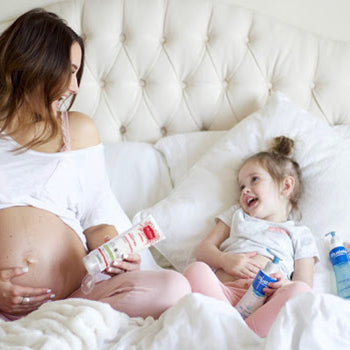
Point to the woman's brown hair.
(35, 70)
(278, 163)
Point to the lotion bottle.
(255, 297)
(341, 265)
(135, 239)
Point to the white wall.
(328, 18)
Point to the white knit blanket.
(310, 321)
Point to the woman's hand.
(130, 262)
(240, 265)
(16, 299)
(273, 286)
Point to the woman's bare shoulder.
(83, 131)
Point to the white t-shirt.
(73, 185)
(289, 240)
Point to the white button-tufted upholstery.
(159, 67)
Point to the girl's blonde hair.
(278, 163)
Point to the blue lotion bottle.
(341, 265)
(254, 296)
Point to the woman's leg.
(262, 319)
(203, 280)
(140, 293)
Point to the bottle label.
(139, 237)
(343, 288)
(249, 303)
(338, 255)
(260, 282)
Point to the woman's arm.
(83, 131)
(12, 295)
(239, 265)
(97, 235)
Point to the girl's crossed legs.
(203, 280)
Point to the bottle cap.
(276, 257)
(335, 239)
(88, 283)
(332, 233)
(91, 264)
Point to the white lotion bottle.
(135, 239)
(254, 296)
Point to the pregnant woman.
(55, 199)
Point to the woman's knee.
(196, 269)
(175, 285)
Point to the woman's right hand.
(240, 265)
(19, 300)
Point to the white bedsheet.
(310, 321)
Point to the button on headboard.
(159, 67)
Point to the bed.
(181, 92)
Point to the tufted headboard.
(160, 67)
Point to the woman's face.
(73, 88)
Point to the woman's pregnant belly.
(40, 240)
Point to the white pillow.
(187, 214)
(181, 151)
(138, 175)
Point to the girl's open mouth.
(251, 201)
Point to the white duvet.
(310, 321)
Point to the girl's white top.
(289, 240)
(73, 185)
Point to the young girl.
(235, 249)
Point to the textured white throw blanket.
(310, 321)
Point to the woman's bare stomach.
(225, 277)
(40, 240)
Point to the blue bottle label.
(339, 255)
(260, 282)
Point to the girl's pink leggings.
(203, 280)
(136, 293)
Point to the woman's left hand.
(273, 286)
(130, 262)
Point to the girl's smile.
(261, 196)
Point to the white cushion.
(187, 214)
(138, 175)
(181, 151)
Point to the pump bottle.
(255, 297)
(341, 265)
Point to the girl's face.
(73, 88)
(261, 196)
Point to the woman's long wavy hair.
(35, 70)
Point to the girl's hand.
(273, 286)
(241, 265)
(16, 299)
(130, 262)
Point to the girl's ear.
(288, 184)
